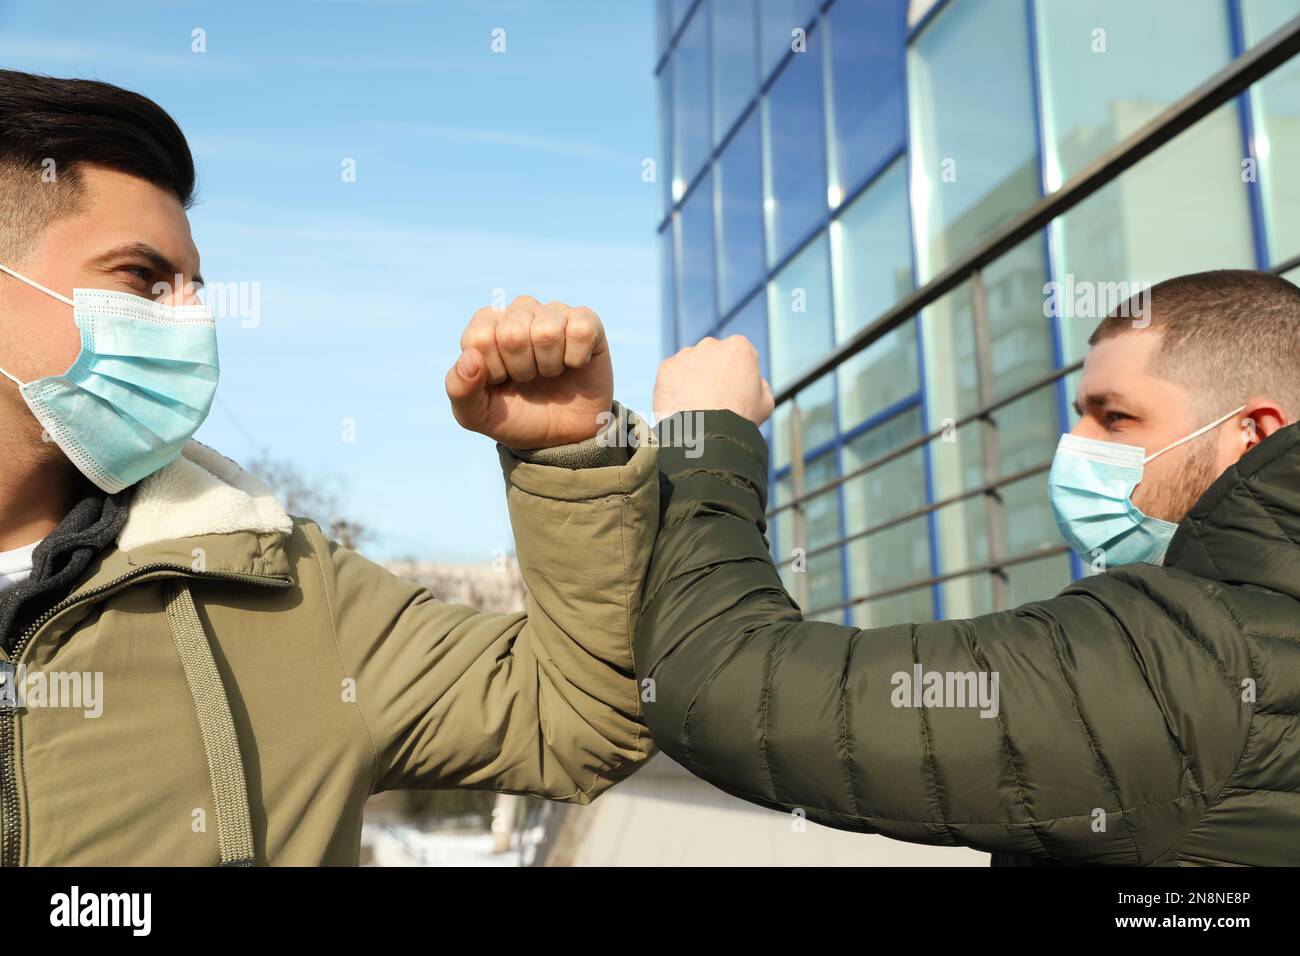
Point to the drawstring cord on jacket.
(220, 743)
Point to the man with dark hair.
(1145, 715)
(188, 675)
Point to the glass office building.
(820, 161)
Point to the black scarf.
(87, 530)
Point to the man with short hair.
(260, 681)
(1145, 715)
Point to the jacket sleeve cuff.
(636, 465)
(604, 449)
(713, 460)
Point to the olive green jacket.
(258, 681)
(1145, 715)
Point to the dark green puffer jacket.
(1145, 716)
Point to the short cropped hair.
(1226, 336)
(50, 128)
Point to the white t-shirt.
(16, 566)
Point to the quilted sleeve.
(1092, 727)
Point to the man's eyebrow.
(156, 259)
(1096, 400)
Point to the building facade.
(822, 160)
(820, 163)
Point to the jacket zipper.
(10, 842)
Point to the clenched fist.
(532, 375)
(714, 374)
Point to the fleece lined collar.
(202, 492)
(201, 512)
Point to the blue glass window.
(799, 320)
(692, 144)
(1276, 101)
(822, 523)
(664, 170)
(824, 571)
(890, 557)
(795, 151)
(799, 313)
(871, 257)
(735, 61)
(866, 40)
(974, 142)
(679, 10)
(816, 420)
(779, 20)
(740, 207)
(871, 252)
(1107, 73)
(667, 294)
(696, 312)
(751, 322)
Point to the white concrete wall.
(663, 816)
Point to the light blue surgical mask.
(1091, 488)
(140, 388)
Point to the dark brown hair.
(50, 128)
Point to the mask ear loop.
(35, 285)
(1196, 434)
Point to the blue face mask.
(142, 384)
(1091, 487)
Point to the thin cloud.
(56, 55)
(432, 64)
(473, 136)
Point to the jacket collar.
(1245, 529)
(200, 493)
(201, 512)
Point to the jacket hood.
(1246, 528)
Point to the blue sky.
(476, 171)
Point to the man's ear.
(1261, 418)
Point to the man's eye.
(1114, 418)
